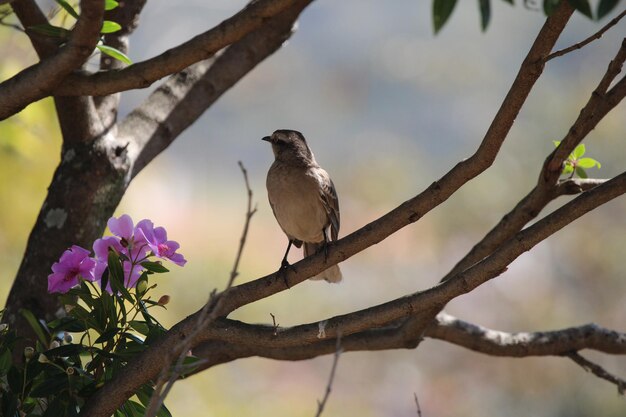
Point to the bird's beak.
(267, 139)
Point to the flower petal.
(122, 226)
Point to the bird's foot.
(284, 266)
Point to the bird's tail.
(332, 274)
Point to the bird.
(303, 198)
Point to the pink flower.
(101, 249)
(73, 265)
(156, 238)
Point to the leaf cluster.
(442, 9)
(63, 34)
(75, 355)
(575, 164)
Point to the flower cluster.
(133, 244)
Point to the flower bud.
(29, 352)
(54, 344)
(142, 286)
(70, 371)
(164, 300)
(43, 358)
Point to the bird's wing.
(331, 204)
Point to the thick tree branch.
(445, 327)
(524, 344)
(38, 81)
(127, 16)
(174, 106)
(203, 46)
(29, 14)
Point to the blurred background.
(388, 108)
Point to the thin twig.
(590, 39)
(338, 351)
(5, 14)
(208, 314)
(249, 213)
(275, 325)
(598, 371)
(417, 404)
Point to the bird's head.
(289, 145)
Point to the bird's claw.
(284, 266)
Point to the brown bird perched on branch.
(303, 198)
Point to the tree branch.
(29, 14)
(587, 41)
(548, 187)
(127, 16)
(38, 81)
(321, 404)
(445, 327)
(154, 125)
(552, 343)
(598, 371)
(201, 47)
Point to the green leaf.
(114, 53)
(50, 30)
(68, 8)
(68, 324)
(549, 6)
(605, 7)
(116, 275)
(116, 272)
(107, 335)
(104, 281)
(581, 172)
(568, 169)
(587, 163)
(144, 393)
(36, 325)
(133, 409)
(156, 267)
(110, 4)
(442, 9)
(52, 385)
(485, 13)
(6, 361)
(110, 27)
(579, 151)
(582, 6)
(190, 364)
(133, 337)
(140, 326)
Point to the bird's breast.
(295, 196)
